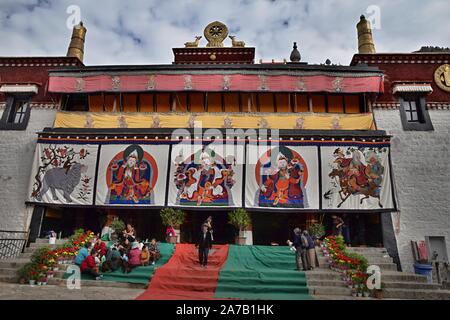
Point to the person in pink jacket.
(134, 258)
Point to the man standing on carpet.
(204, 243)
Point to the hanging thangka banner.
(356, 177)
(281, 177)
(63, 174)
(206, 175)
(132, 174)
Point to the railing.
(12, 243)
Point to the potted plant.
(24, 273)
(173, 218)
(378, 293)
(33, 276)
(317, 230)
(42, 280)
(118, 226)
(240, 219)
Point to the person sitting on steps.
(155, 253)
(88, 266)
(145, 256)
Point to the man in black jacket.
(204, 243)
(300, 244)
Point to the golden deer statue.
(235, 43)
(193, 44)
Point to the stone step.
(8, 271)
(329, 290)
(416, 294)
(9, 278)
(99, 283)
(323, 275)
(410, 285)
(368, 250)
(13, 263)
(386, 276)
(375, 260)
(45, 241)
(26, 255)
(394, 276)
(326, 283)
(37, 245)
(386, 266)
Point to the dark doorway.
(276, 227)
(364, 228)
(147, 223)
(223, 232)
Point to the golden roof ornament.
(193, 44)
(215, 32)
(76, 46)
(442, 77)
(235, 43)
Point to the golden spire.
(76, 47)
(365, 39)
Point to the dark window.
(412, 111)
(414, 114)
(17, 113)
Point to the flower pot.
(241, 240)
(359, 294)
(39, 283)
(353, 294)
(366, 294)
(32, 282)
(378, 294)
(172, 239)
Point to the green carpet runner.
(139, 275)
(261, 272)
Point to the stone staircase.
(9, 267)
(327, 284)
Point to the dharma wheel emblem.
(442, 77)
(215, 32)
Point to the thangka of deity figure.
(205, 179)
(130, 175)
(282, 182)
(357, 174)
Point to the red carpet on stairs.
(182, 277)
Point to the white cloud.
(143, 32)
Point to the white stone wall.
(16, 157)
(421, 168)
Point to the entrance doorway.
(223, 232)
(147, 223)
(276, 227)
(365, 228)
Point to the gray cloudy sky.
(143, 32)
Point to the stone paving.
(11, 291)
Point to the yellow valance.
(309, 121)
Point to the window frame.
(423, 122)
(7, 121)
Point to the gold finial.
(76, 47)
(235, 43)
(193, 44)
(365, 39)
(215, 33)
